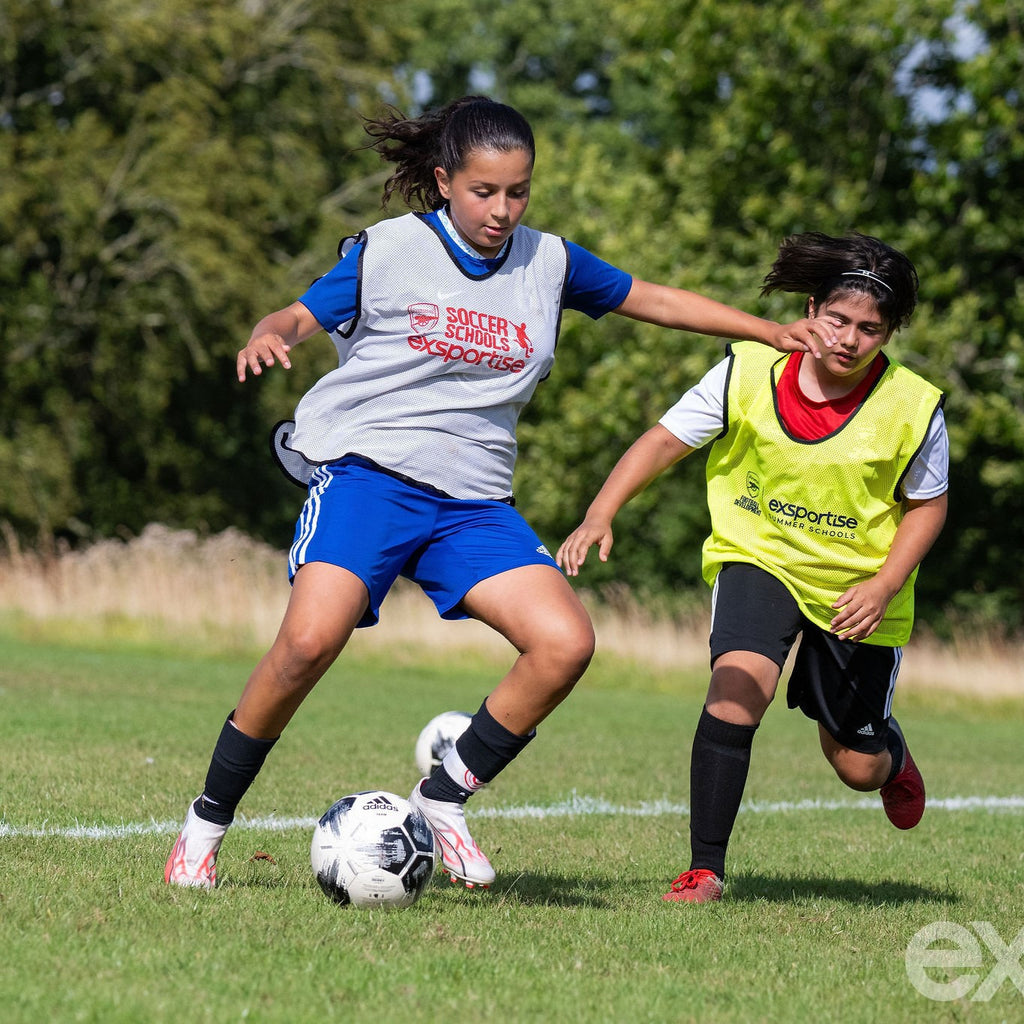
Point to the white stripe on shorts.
(897, 653)
(308, 519)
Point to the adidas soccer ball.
(372, 849)
(438, 737)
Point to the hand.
(861, 609)
(573, 551)
(265, 349)
(806, 335)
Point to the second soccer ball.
(438, 737)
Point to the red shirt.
(809, 420)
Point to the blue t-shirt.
(593, 286)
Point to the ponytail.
(820, 266)
(443, 138)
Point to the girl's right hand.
(262, 350)
(573, 550)
(274, 337)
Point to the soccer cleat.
(903, 797)
(461, 859)
(193, 861)
(698, 885)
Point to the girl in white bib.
(444, 320)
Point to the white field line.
(574, 806)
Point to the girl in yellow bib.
(827, 483)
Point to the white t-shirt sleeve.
(928, 476)
(699, 416)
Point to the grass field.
(104, 744)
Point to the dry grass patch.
(229, 590)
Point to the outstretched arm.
(688, 311)
(274, 337)
(862, 607)
(649, 456)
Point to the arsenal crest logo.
(423, 317)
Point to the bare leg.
(742, 686)
(537, 611)
(325, 605)
(863, 772)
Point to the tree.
(170, 172)
(161, 166)
(965, 225)
(683, 140)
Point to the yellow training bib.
(818, 515)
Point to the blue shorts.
(380, 527)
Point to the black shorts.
(845, 685)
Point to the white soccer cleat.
(461, 859)
(193, 861)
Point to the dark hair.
(443, 138)
(822, 266)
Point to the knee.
(861, 772)
(566, 652)
(580, 649)
(742, 687)
(304, 654)
(738, 698)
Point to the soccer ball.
(372, 849)
(438, 737)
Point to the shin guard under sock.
(237, 760)
(718, 775)
(479, 754)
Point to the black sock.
(897, 750)
(485, 748)
(718, 775)
(237, 760)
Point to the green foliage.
(170, 172)
(161, 166)
(965, 230)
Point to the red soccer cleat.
(903, 798)
(696, 886)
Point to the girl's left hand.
(861, 609)
(806, 335)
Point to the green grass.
(820, 907)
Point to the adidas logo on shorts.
(866, 730)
